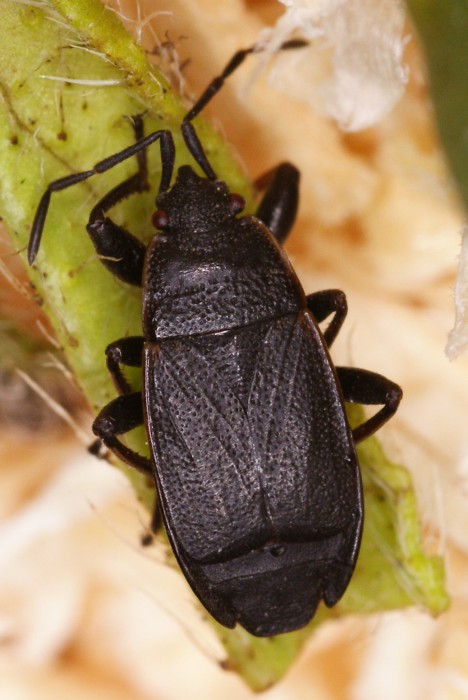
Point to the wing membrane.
(296, 416)
(207, 468)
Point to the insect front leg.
(121, 253)
(102, 235)
(278, 207)
(369, 388)
(324, 303)
(120, 416)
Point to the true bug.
(252, 453)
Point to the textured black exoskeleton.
(251, 450)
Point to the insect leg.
(188, 131)
(136, 183)
(369, 388)
(120, 416)
(126, 351)
(167, 160)
(278, 207)
(120, 252)
(156, 518)
(324, 303)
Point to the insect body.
(251, 450)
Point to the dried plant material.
(28, 542)
(458, 336)
(354, 70)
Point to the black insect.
(251, 450)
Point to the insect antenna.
(191, 139)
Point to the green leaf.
(70, 77)
(443, 28)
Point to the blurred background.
(84, 609)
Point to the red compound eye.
(160, 219)
(237, 203)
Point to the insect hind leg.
(116, 418)
(324, 303)
(369, 388)
(126, 351)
